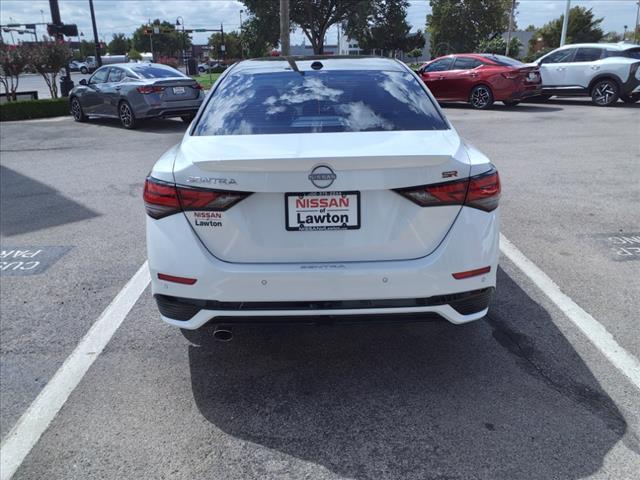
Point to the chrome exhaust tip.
(222, 335)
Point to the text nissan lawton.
(309, 189)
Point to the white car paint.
(402, 250)
(574, 76)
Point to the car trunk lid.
(365, 167)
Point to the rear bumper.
(466, 306)
(167, 112)
(531, 91)
(309, 290)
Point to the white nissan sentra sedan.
(312, 189)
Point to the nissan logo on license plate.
(322, 176)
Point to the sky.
(124, 16)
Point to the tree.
(169, 42)
(498, 45)
(134, 54)
(86, 49)
(314, 17)
(261, 32)
(12, 63)
(582, 28)
(120, 44)
(460, 25)
(48, 58)
(258, 37)
(382, 24)
(232, 44)
(414, 54)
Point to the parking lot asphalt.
(520, 394)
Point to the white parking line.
(32, 424)
(589, 326)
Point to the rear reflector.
(174, 279)
(471, 273)
(163, 198)
(481, 192)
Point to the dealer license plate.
(178, 90)
(322, 211)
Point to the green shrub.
(23, 110)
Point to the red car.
(481, 79)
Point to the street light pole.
(180, 21)
(565, 23)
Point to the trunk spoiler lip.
(345, 163)
(298, 152)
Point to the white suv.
(604, 71)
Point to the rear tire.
(605, 92)
(126, 116)
(76, 110)
(84, 70)
(633, 98)
(481, 97)
(511, 103)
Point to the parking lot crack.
(534, 362)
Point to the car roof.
(612, 46)
(137, 65)
(303, 63)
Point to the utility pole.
(284, 27)
(511, 15)
(635, 30)
(95, 34)
(241, 37)
(565, 23)
(223, 48)
(65, 82)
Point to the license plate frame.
(325, 210)
(179, 90)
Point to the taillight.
(197, 86)
(484, 191)
(481, 192)
(449, 193)
(162, 198)
(146, 89)
(511, 75)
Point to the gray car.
(135, 91)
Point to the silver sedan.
(135, 91)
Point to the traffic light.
(70, 30)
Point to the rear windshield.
(505, 61)
(145, 71)
(318, 101)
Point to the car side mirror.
(83, 81)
